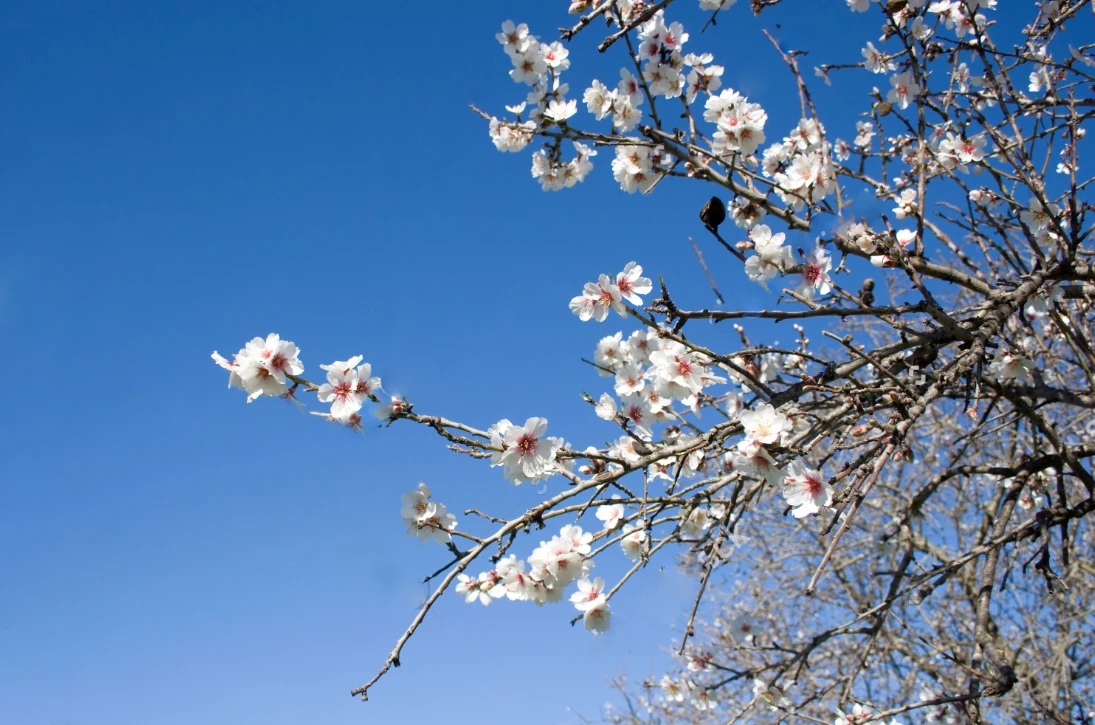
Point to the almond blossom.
(606, 407)
(764, 424)
(634, 542)
(678, 369)
(261, 367)
(905, 89)
(528, 455)
(597, 299)
(805, 489)
(1011, 366)
(631, 283)
(590, 594)
(815, 274)
(610, 514)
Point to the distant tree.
(889, 517)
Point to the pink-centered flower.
(805, 489)
(631, 283)
(815, 275)
(340, 390)
(529, 454)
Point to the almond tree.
(888, 517)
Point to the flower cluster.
(650, 373)
(540, 65)
(770, 694)
(621, 103)
(554, 175)
(551, 567)
(426, 519)
(638, 167)
(606, 294)
(801, 165)
(699, 697)
(260, 368)
(773, 258)
(664, 72)
(511, 135)
(263, 367)
(954, 151)
(349, 384)
(1043, 219)
(740, 123)
(802, 487)
(660, 50)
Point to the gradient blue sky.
(180, 177)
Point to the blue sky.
(180, 177)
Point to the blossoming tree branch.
(903, 494)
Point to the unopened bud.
(971, 413)
(860, 430)
(883, 260)
(744, 245)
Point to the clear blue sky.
(178, 177)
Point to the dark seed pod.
(713, 213)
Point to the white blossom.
(528, 455)
(634, 543)
(905, 89)
(1011, 366)
(610, 514)
(805, 489)
(631, 283)
(764, 424)
(606, 407)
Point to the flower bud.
(883, 260)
